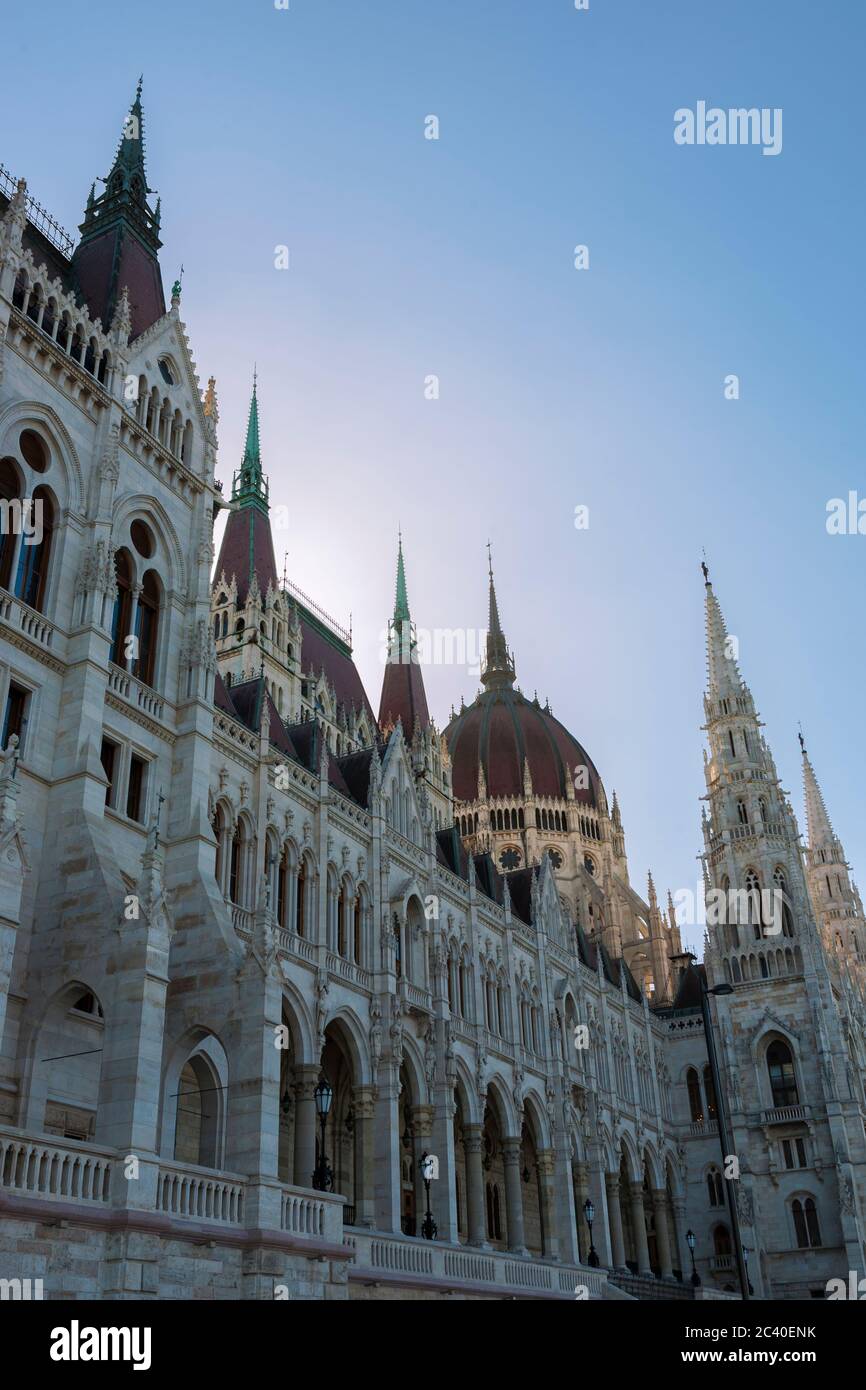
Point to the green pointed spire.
(249, 484)
(126, 190)
(401, 599)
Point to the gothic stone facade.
(223, 876)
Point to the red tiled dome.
(501, 729)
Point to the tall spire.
(403, 694)
(723, 673)
(499, 666)
(247, 549)
(401, 600)
(820, 831)
(249, 484)
(120, 234)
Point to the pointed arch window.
(10, 490)
(357, 929)
(783, 1081)
(282, 887)
(806, 1226)
(122, 615)
(147, 628)
(31, 579)
(301, 898)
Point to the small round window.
(142, 539)
(34, 451)
(166, 367)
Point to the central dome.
(500, 731)
(503, 732)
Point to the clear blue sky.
(409, 257)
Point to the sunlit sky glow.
(410, 257)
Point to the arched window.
(782, 888)
(696, 1104)
(147, 628)
(753, 890)
(715, 1189)
(235, 866)
(783, 1082)
(301, 899)
(743, 813)
(19, 290)
(806, 1226)
(10, 489)
(721, 1240)
(343, 919)
(358, 929)
(218, 824)
(198, 1118)
(122, 615)
(34, 554)
(282, 887)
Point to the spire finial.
(401, 597)
(706, 572)
(249, 483)
(499, 664)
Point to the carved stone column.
(364, 1098)
(660, 1209)
(638, 1219)
(611, 1182)
(514, 1196)
(422, 1127)
(474, 1184)
(581, 1190)
(678, 1213)
(306, 1079)
(546, 1168)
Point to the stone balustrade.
(377, 1257)
(199, 1194)
(57, 1169)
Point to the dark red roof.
(319, 652)
(104, 264)
(221, 697)
(501, 729)
(403, 697)
(248, 548)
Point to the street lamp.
(589, 1213)
(429, 1166)
(724, 1141)
(690, 1242)
(323, 1095)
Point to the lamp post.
(589, 1213)
(429, 1165)
(746, 1260)
(690, 1242)
(724, 1139)
(323, 1095)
